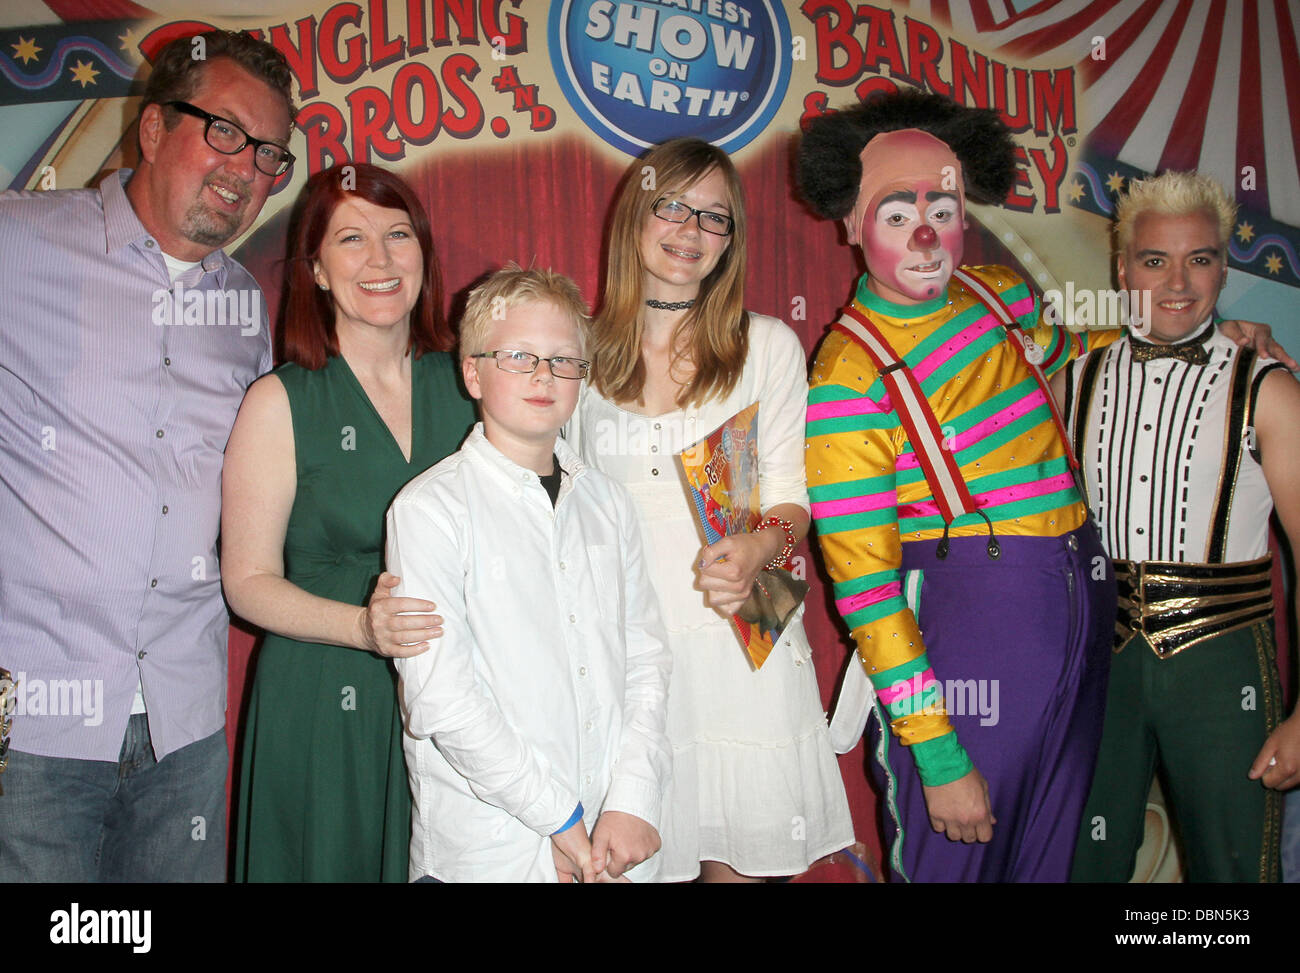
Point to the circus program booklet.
(722, 474)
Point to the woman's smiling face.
(371, 263)
(677, 257)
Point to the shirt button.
(561, 565)
(587, 780)
(654, 449)
(1147, 426)
(164, 509)
(149, 244)
(582, 670)
(158, 433)
(167, 361)
(655, 471)
(1143, 477)
(1141, 530)
(573, 618)
(153, 583)
(658, 425)
(141, 654)
(1072, 542)
(589, 724)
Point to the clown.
(910, 227)
(946, 506)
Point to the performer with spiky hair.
(946, 506)
(1186, 443)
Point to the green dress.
(323, 795)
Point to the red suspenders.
(942, 474)
(937, 462)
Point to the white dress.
(755, 783)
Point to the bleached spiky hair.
(1173, 194)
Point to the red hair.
(308, 326)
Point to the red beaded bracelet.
(782, 559)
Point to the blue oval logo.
(642, 71)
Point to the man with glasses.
(118, 389)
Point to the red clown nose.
(924, 238)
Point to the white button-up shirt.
(549, 684)
(1155, 453)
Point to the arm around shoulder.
(259, 485)
(1277, 416)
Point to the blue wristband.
(574, 818)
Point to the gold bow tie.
(1192, 352)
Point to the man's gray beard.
(209, 228)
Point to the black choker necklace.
(670, 305)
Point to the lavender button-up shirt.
(118, 390)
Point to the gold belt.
(1175, 604)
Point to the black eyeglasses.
(228, 138)
(675, 211)
(524, 363)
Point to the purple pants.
(1022, 646)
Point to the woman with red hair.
(367, 399)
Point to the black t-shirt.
(551, 482)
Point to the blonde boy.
(537, 720)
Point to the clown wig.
(829, 168)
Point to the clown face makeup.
(909, 216)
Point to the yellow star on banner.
(1274, 263)
(1076, 192)
(1115, 182)
(1246, 232)
(84, 73)
(128, 41)
(26, 50)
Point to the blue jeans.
(137, 820)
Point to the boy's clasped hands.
(619, 841)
